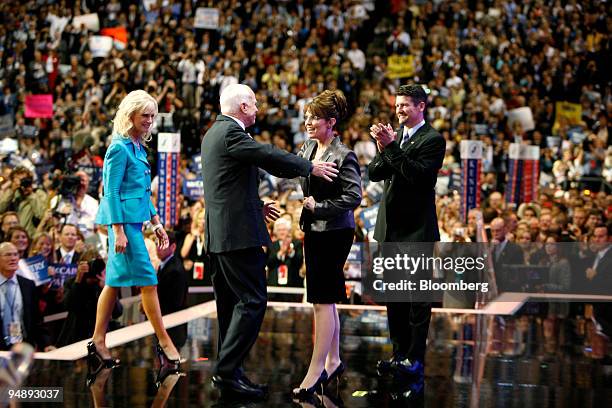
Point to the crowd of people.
(477, 60)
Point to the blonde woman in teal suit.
(126, 204)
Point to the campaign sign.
(40, 269)
(355, 255)
(62, 273)
(193, 189)
(369, 217)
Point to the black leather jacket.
(335, 200)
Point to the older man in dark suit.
(20, 320)
(408, 161)
(599, 277)
(236, 230)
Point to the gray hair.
(232, 96)
(282, 222)
(4, 245)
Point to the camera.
(68, 185)
(96, 267)
(26, 182)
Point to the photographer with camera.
(73, 205)
(19, 195)
(168, 99)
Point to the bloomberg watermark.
(463, 274)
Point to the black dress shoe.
(412, 369)
(263, 387)
(237, 386)
(385, 367)
(413, 393)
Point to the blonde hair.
(135, 101)
(37, 238)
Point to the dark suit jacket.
(601, 284)
(407, 211)
(36, 333)
(172, 289)
(509, 279)
(337, 200)
(81, 301)
(230, 161)
(172, 286)
(75, 257)
(293, 264)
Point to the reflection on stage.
(535, 357)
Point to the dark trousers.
(239, 282)
(603, 315)
(408, 329)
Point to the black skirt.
(325, 253)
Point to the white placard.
(100, 45)
(91, 22)
(206, 17)
(470, 149)
(523, 116)
(532, 152)
(8, 145)
(169, 143)
(523, 152)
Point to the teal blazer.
(126, 178)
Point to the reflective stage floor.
(525, 360)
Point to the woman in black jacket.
(328, 223)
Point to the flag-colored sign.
(523, 173)
(400, 66)
(471, 175)
(169, 147)
(39, 106)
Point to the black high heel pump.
(335, 375)
(304, 394)
(167, 367)
(95, 363)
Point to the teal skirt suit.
(126, 178)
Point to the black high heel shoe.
(304, 394)
(95, 363)
(166, 366)
(335, 375)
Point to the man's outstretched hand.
(270, 212)
(325, 170)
